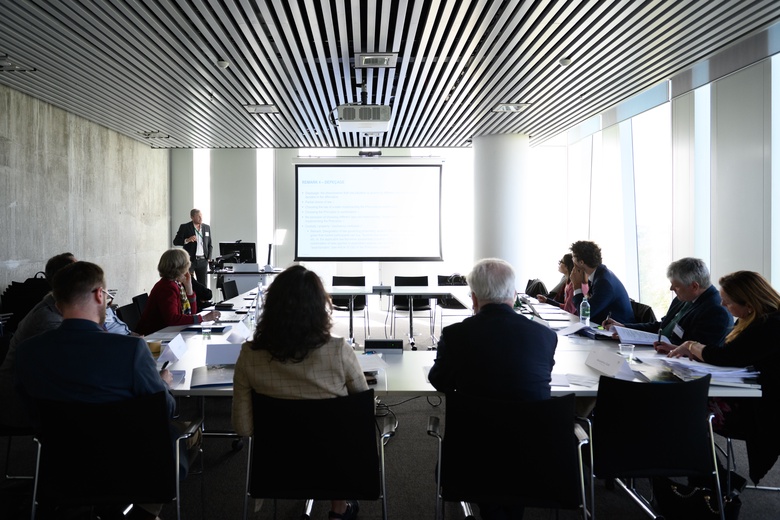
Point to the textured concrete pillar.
(500, 170)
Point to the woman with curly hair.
(293, 356)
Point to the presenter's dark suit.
(606, 295)
(496, 354)
(707, 321)
(199, 264)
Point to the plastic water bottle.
(259, 302)
(585, 312)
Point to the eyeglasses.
(108, 295)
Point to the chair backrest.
(411, 281)
(342, 302)
(140, 301)
(534, 287)
(651, 429)
(129, 314)
(105, 453)
(229, 289)
(448, 302)
(642, 313)
(504, 451)
(314, 448)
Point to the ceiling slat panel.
(143, 65)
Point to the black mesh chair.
(401, 304)
(229, 289)
(645, 430)
(511, 453)
(341, 303)
(140, 301)
(449, 304)
(643, 313)
(316, 449)
(129, 314)
(106, 454)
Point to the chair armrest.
(434, 426)
(191, 429)
(386, 427)
(581, 434)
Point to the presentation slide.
(380, 212)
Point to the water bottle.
(585, 312)
(259, 302)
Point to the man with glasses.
(79, 361)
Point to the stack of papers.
(686, 370)
(637, 337)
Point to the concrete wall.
(67, 184)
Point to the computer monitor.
(238, 252)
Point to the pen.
(164, 365)
(659, 334)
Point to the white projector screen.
(377, 212)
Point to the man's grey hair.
(492, 280)
(689, 270)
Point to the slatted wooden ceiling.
(145, 66)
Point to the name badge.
(207, 233)
(678, 331)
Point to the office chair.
(341, 303)
(401, 303)
(644, 430)
(448, 303)
(6, 430)
(140, 301)
(129, 314)
(229, 289)
(510, 453)
(643, 313)
(316, 449)
(107, 454)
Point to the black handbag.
(677, 501)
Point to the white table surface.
(406, 374)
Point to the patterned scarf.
(185, 302)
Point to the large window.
(652, 150)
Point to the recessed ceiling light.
(262, 109)
(511, 107)
(565, 62)
(223, 64)
(368, 60)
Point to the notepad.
(213, 375)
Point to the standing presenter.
(195, 238)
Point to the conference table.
(405, 374)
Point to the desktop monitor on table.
(238, 252)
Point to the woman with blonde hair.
(754, 341)
(172, 300)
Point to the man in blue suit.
(696, 312)
(496, 353)
(80, 361)
(606, 293)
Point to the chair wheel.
(238, 444)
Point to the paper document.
(687, 369)
(637, 337)
(559, 380)
(222, 353)
(173, 350)
(213, 375)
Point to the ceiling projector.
(364, 118)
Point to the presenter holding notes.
(195, 238)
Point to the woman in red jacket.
(172, 300)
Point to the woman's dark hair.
(569, 263)
(296, 316)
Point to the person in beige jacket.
(293, 356)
